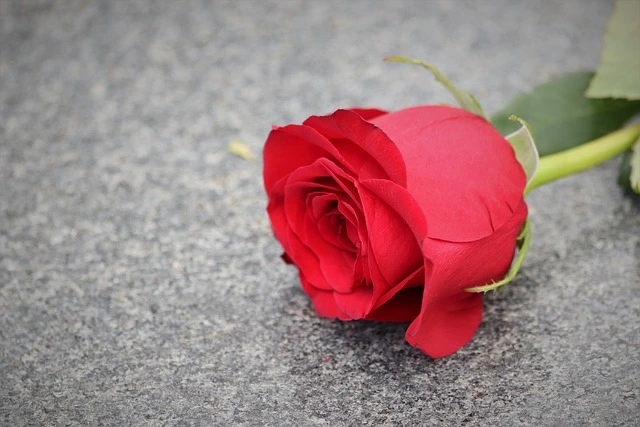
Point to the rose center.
(338, 231)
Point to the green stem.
(583, 157)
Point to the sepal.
(525, 148)
(466, 100)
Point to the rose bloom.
(390, 216)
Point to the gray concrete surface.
(139, 280)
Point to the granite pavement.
(140, 283)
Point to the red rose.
(389, 216)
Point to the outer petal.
(449, 315)
(277, 217)
(355, 304)
(365, 148)
(461, 171)
(323, 301)
(291, 147)
(396, 226)
(306, 260)
(400, 201)
(368, 113)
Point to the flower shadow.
(309, 343)
(331, 364)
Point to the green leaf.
(523, 242)
(465, 99)
(618, 74)
(634, 177)
(562, 117)
(525, 148)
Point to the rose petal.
(336, 266)
(355, 304)
(395, 224)
(369, 152)
(325, 305)
(368, 113)
(461, 171)
(448, 324)
(275, 210)
(306, 260)
(414, 280)
(450, 316)
(291, 147)
(332, 227)
(393, 243)
(400, 201)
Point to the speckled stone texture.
(139, 280)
